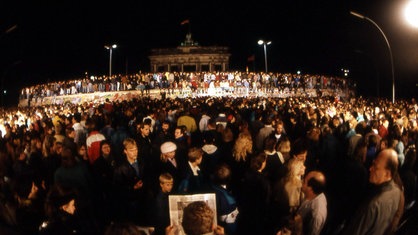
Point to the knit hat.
(168, 147)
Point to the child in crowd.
(161, 211)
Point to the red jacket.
(93, 145)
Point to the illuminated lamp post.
(410, 12)
(388, 45)
(264, 43)
(110, 48)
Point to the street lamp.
(411, 13)
(110, 57)
(388, 45)
(264, 43)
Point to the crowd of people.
(296, 165)
(199, 82)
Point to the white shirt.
(316, 209)
(173, 161)
(195, 169)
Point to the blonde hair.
(129, 142)
(242, 147)
(284, 146)
(293, 167)
(293, 183)
(352, 123)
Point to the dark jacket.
(193, 183)
(127, 200)
(178, 172)
(253, 204)
(160, 213)
(64, 224)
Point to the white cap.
(168, 147)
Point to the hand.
(138, 184)
(33, 191)
(298, 223)
(219, 230)
(170, 230)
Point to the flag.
(251, 58)
(185, 22)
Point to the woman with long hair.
(287, 194)
(241, 156)
(284, 147)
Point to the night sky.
(64, 39)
